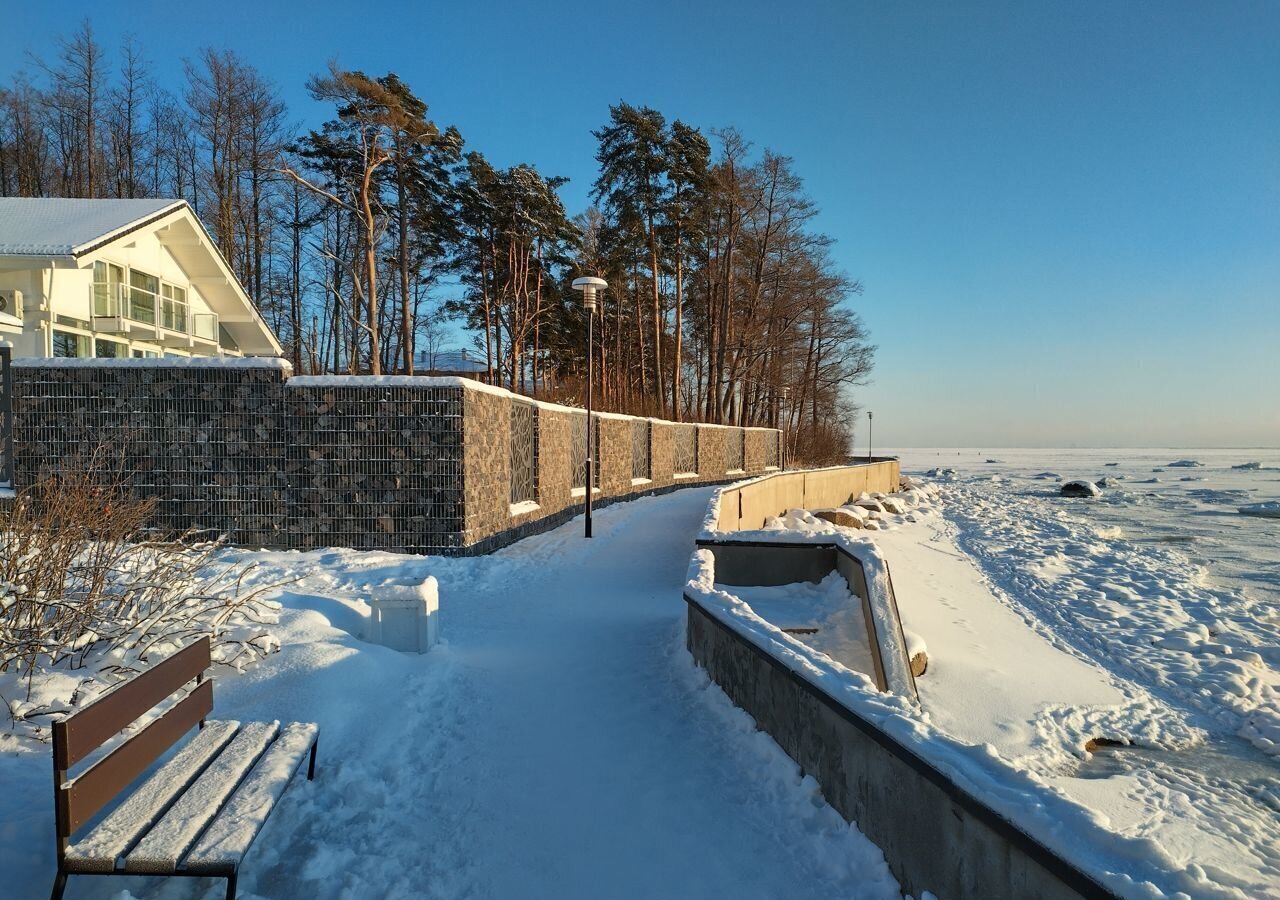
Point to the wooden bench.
(199, 812)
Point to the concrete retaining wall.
(747, 507)
(935, 836)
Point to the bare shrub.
(818, 444)
(88, 597)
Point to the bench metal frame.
(78, 800)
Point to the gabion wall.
(206, 441)
(422, 465)
(374, 466)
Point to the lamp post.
(868, 435)
(589, 286)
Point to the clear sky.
(1066, 215)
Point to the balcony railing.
(119, 300)
(108, 299)
(205, 326)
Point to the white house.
(113, 278)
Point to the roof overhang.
(182, 233)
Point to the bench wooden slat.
(160, 849)
(98, 785)
(87, 730)
(111, 838)
(228, 839)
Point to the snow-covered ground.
(560, 743)
(1148, 615)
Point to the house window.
(142, 296)
(173, 308)
(68, 345)
(108, 288)
(104, 349)
(145, 354)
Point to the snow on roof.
(167, 362)
(60, 226)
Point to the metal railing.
(578, 450)
(524, 453)
(734, 450)
(640, 433)
(772, 453)
(205, 326)
(685, 451)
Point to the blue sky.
(1066, 216)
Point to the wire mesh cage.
(206, 443)
(6, 416)
(734, 450)
(375, 466)
(524, 453)
(685, 450)
(641, 437)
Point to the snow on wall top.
(59, 226)
(458, 381)
(334, 381)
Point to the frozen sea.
(1165, 584)
(1194, 508)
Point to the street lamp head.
(589, 286)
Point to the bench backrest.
(78, 735)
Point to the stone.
(919, 664)
(1080, 488)
(841, 517)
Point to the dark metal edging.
(1065, 871)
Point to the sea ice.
(1269, 509)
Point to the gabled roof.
(58, 226)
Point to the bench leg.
(231, 886)
(59, 885)
(311, 766)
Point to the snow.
(1155, 606)
(1185, 464)
(828, 608)
(62, 226)
(559, 742)
(560, 739)
(167, 362)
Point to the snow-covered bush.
(88, 597)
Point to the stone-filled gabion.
(373, 466)
(206, 441)
(399, 463)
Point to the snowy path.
(562, 744)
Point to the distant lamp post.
(868, 435)
(589, 286)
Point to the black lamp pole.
(591, 321)
(868, 435)
(589, 286)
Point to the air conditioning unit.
(11, 302)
